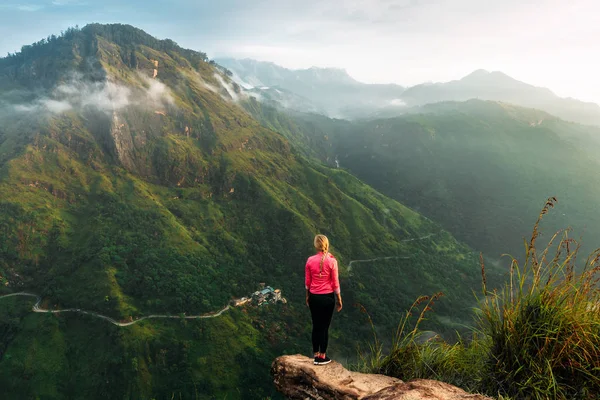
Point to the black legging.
(321, 309)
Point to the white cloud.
(66, 3)
(157, 92)
(29, 7)
(228, 87)
(56, 106)
(106, 96)
(24, 108)
(22, 7)
(551, 43)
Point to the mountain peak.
(477, 73)
(330, 74)
(94, 52)
(482, 74)
(84, 41)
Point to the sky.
(550, 43)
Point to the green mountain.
(482, 169)
(132, 183)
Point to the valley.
(145, 189)
(110, 206)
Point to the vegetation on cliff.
(538, 338)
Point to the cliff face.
(297, 378)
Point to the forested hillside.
(482, 169)
(133, 183)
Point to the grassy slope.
(537, 338)
(182, 221)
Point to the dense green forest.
(132, 183)
(481, 169)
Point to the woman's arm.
(335, 284)
(307, 281)
(339, 301)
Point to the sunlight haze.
(547, 43)
(217, 199)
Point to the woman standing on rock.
(322, 282)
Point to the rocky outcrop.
(297, 378)
(123, 141)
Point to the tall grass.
(536, 338)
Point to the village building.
(266, 295)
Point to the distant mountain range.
(331, 90)
(337, 94)
(498, 86)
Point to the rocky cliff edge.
(298, 378)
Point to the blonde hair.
(321, 244)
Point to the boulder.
(298, 378)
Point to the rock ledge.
(297, 378)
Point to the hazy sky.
(552, 43)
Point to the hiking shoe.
(322, 360)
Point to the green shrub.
(537, 338)
(544, 327)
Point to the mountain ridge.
(340, 75)
(338, 97)
(482, 84)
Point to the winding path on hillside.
(376, 259)
(36, 308)
(419, 238)
(390, 257)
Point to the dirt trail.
(390, 257)
(36, 308)
(375, 259)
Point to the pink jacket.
(325, 281)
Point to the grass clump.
(536, 338)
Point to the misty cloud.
(225, 88)
(547, 43)
(397, 103)
(22, 7)
(107, 96)
(228, 87)
(55, 106)
(157, 92)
